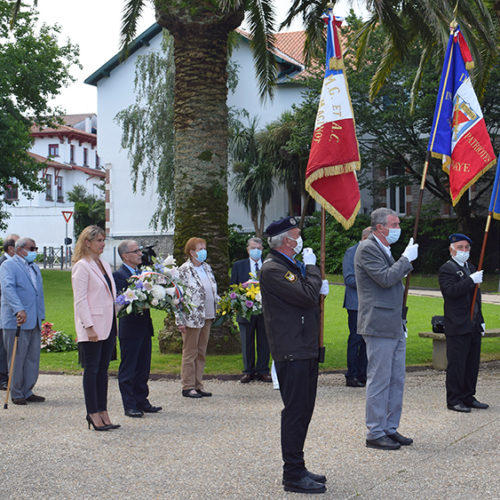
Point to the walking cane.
(11, 371)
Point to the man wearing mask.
(23, 304)
(457, 280)
(291, 305)
(380, 322)
(253, 332)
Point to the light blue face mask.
(255, 253)
(201, 255)
(30, 257)
(393, 236)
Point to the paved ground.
(227, 446)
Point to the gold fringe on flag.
(335, 63)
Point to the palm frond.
(361, 39)
(417, 81)
(390, 58)
(130, 18)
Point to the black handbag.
(437, 324)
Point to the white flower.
(258, 297)
(169, 261)
(154, 302)
(170, 291)
(148, 286)
(130, 295)
(158, 292)
(161, 280)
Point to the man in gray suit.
(23, 304)
(380, 322)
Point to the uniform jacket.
(240, 274)
(196, 294)
(380, 290)
(132, 325)
(18, 294)
(350, 294)
(458, 289)
(290, 304)
(94, 302)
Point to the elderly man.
(253, 332)
(457, 280)
(135, 332)
(23, 304)
(356, 349)
(380, 322)
(290, 300)
(9, 248)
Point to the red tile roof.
(64, 131)
(55, 164)
(72, 120)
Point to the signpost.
(67, 241)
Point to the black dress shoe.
(382, 443)
(304, 485)
(151, 409)
(319, 478)
(354, 382)
(190, 393)
(134, 413)
(204, 394)
(263, 377)
(460, 407)
(477, 405)
(35, 399)
(247, 377)
(402, 440)
(19, 401)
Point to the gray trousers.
(385, 384)
(4, 371)
(27, 362)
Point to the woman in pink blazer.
(94, 296)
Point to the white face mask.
(393, 236)
(298, 247)
(462, 256)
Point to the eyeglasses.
(33, 249)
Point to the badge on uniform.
(290, 276)
(460, 274)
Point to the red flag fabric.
(334, 155)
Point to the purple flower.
(232, 295)
(122, 301)
(244, 285)
(249, 304)
(139, 284)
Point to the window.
(53, 150)
(11, 193)
(85, 157)
(72, 154)
(96, 160)
(59, 187)
(396, 190)
(48, 187)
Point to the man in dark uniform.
(135, 332)
(457, 280)
(290, 300)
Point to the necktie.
(256, 267)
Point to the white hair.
(277, 241)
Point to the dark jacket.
(350, 294)
(132, 325)
(458, 289)
(290, 304)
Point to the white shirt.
(387, 250)
(253, 265)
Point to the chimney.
(88, 125)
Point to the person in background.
(253, 332)
(194, 325)
(9, 248)
(23, 305)
(356, 348)
(135, 332)
(94, 296)
(380, 322)
(457, 280)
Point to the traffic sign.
(67, 215)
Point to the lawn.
(59, 310)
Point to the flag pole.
(322, 297)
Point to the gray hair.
(277, 241)
(22, 242)
(379, 216)
(124, 246)
(255, 240)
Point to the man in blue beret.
(291, 306)
(457, 280)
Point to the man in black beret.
(457, 280)
(290, 301)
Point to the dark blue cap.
(281, 226)
(459, 237)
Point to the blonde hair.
(191, 244)
(88, 234)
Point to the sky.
(94, 25)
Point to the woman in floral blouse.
(201, 289)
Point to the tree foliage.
(89, 209)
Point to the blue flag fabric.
(495, 197)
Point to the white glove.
(477, 277)
(411, 251)
(483, 329)
(325, 288)
(308, 257)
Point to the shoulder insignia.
(290, 276)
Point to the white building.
(128, 213)
(69, 157)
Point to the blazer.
(350, 294)
(458, 289)
(93, 301)
(18, 294)
(132, 325)
(195, 292)
(240, 273)
(380, 290)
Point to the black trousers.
(252, 334)
(298, 383)
(463, 352)
(356, 349)
(95, 358)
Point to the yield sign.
(66, 215)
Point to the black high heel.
(96, 427)
(113, 426)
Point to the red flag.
(334, 156)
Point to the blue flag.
(495, 197)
